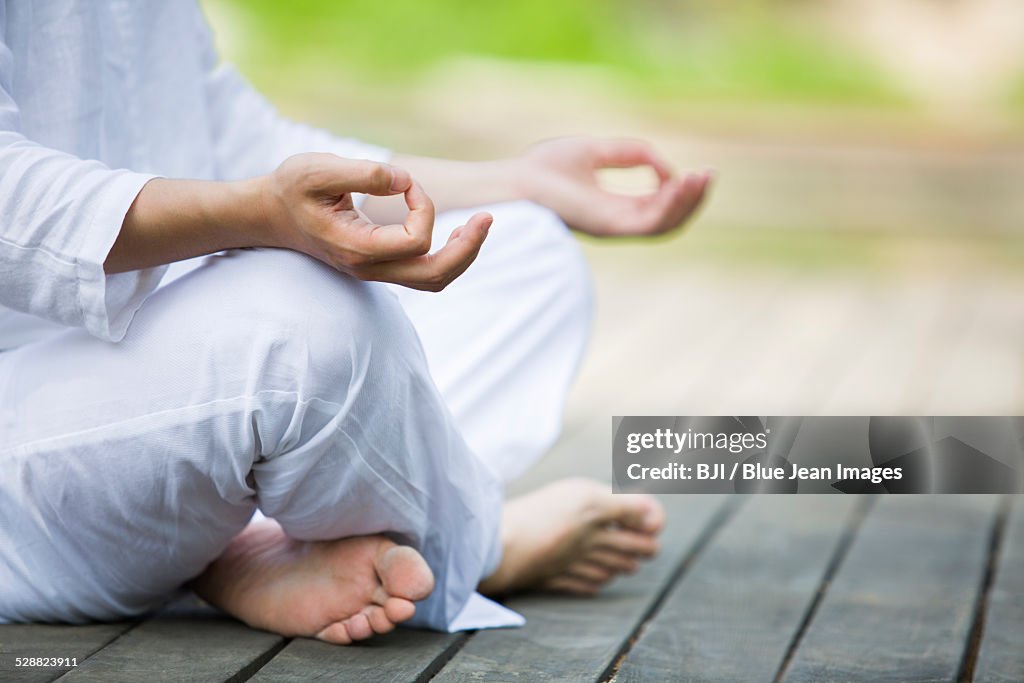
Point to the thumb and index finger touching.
(677, 196)
(403, 249)
(393, 241)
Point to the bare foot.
(573, 536)
(338, 591)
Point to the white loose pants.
(263, 379)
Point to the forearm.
(453, 184)
(173, 220)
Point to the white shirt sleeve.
(250, 138)
(59, 216)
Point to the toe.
(653, 520)
(403, 572)
(638, 512)
(572, 585)
(358, 627)
(589, 571)
(398, 610)
(335, 633)
(626, 541)
(622, 563)
(379, 620)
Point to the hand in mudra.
(308, 205)
(562, 174)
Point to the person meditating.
(290, 418)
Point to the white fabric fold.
(480, 613)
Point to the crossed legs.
(263, 379)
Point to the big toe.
(638, 512)
(404, 573)
(652, 519)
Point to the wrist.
(522, 177)
(255, 206)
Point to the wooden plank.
(579, 639)
(688, 334)
(900, 607)
(187, 641)
(626, 318)
(45, 640)
(789, 365)
(875, 368)
(983, 373)
(736, 612)
(1001, 659)
(400, 657)
(708, 350)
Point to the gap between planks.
(102, 647)
(852, 526)
(977, 632)
(718, 521)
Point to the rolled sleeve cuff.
(109, 302)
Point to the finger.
(434, 272)
(336, 175)
(671, 206)
(625, 153)
(687, 200)
(402, 240)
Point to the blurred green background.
(915, 106)
(868, 146)
(728, 50)
(791, 50)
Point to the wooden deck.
(784, 588)
(761, 588)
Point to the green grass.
(739, 50)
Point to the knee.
(291, 333)
(326, 327)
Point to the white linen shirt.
(96, 98)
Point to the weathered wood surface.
(36, 640)
(405, 656)
(185, 642)
(1001, 657)
(579, 639)
(819, 588)
(733, 616)
(902, 604)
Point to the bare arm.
(304, 205)
(452, 184)
(561, 175)
(173, 220)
